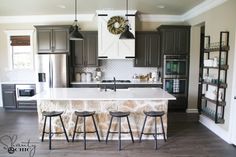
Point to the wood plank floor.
(186, 138)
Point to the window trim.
(9, 47)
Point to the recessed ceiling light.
(61, 6)
(161, 6)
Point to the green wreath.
(116, 25)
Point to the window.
(20, 50)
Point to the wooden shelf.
(222, 85)
(220, 103)
(218, 120)
(224, 48)
(222, 67)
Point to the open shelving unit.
(219, 83)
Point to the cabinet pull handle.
(136, 61)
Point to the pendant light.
(75, 34)
(127, 34)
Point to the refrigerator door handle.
(50, 72)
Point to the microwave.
(24, 92)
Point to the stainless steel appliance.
(175, 66)
(52, 71)
(175, 70)
(24, 92)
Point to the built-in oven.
(175, 66)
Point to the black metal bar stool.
(119, 115)
(50, 115)
(85, 114)
(154, 114)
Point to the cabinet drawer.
(27, 104)
(8, 86)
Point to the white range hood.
(109, 44)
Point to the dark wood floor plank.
(186, 138)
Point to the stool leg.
(119, 133)
(109, 129)
(44, 125)
(84, 133)
(131, 134)
(140, 139)
(96, 128)
(50, 136)
(73, 138)
(163, 130)
(155, 132)
(64, 129)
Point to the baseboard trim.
(215, 128)
(192, 110)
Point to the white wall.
(221, 18)
(122, 69)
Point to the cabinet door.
(91, 49)
(77, 47)
(182, 41)
(9, 98)
(60, 40)
(140, 50)
(44, 38)
(153, 46)
(168, 41)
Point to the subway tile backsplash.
(119, 68)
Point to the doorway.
(202, 36)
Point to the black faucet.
(114, 80)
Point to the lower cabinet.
(9, 96)
(27, 104)
(180, 104)
(10, 101)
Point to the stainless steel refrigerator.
(52, 71)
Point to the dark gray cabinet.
(147, 49)
(85, 52)
(9, 96)
(10, 101)
(175, 39)
(53, 39)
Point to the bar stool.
(119, 115)
(85, 114)
(154, 114)
(50, 115)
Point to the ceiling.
(54, 7)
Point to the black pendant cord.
(76, 11)
(127, 11)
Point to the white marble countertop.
(132, 82)
(17, 82)
(97, 94)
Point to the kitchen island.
(135, 100)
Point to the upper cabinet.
(147, 46)
(53, 39)
(175, 39)
(85, 52)
(110, 26)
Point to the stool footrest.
(86, 132)
(152, 133)
(118, 132)
(54, 132)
